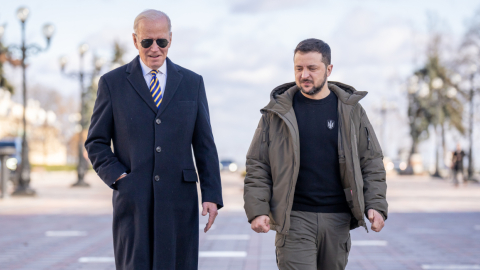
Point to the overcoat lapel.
(137, 80)
(173, 80)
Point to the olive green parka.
(273, 159)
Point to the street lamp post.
(22, 187)
(80, 75)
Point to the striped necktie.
(156, 89)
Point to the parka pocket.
(372, 142)
(369, 143)
(263, 144)
(349, 197)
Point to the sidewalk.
(405, 194)
(431, 225)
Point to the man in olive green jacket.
(273, 165)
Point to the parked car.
(228, 165)
(14, 160)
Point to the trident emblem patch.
(330, 124)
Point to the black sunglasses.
(146, 43)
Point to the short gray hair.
(151, 14)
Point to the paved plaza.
(432, 225)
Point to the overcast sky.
(244, 49)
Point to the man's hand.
(210, 208)
(261, 224)
(376, 219)
(121, 176)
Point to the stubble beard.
(314, 89)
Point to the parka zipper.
(353, 163)
(294, 164)
(340, 133)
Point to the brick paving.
(418, 232)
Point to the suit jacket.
(155, 207)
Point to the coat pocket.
(121, 181)
(190, 175)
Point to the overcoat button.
(158, 121)
(159, 149)
(157, 178)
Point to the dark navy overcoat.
(155, 207)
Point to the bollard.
(5, 153)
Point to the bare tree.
(118, 53)
(59, 129)
(468, 66)
(4, 57)
(433, 99)
(98, 63)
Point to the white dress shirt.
(162, 74)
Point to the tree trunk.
(470, 134)
(437, 155)
(444, 146)
(413, 150)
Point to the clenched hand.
(210, 208)
(376, 219)
(261, 224)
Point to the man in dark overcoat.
(154, 112)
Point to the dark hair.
(315, 45)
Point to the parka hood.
(282, 96)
